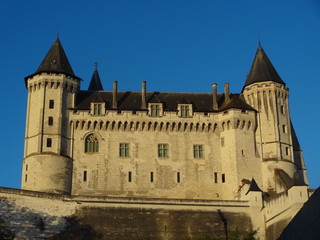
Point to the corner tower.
(47, 164)
(265, 91)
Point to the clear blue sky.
(175, 45)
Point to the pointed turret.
(254, 187)
(95, 83)
(262, 69)
(56, 61)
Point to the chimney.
(114, 94)
(214, 97)
(143, 96)
(226, 92)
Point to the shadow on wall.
(25, 223)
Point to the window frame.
(185, 110)
(92, 146)
(155, 109)
(163, 150)
(124, 150)
(198, 151)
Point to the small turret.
(95, 83)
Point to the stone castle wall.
(35, 215)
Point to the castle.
(237, 152)
(158, 144)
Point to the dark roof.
(295, 141)
(202, 102)
(298, 180)
(254, 187)
(237, 101)
(95, 83)
(262, 69)
(55, 61)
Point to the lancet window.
(91, 144)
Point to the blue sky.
(177, 46)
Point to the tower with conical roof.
(47, 164)
(265, 91)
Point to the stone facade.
(217, 147)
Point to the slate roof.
(95, 83)
(201, 102)
(262, 69)
(55, 61)
(254, 187)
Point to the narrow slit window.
(129, 176)
(287, 151)
(51, 104)
(178, 177)
(26, 167)
(49, 142)
(215, 177)
(26, 178)
(50, 121)
(85, 176)
(151, 177)
(223, 178)
(222, 142)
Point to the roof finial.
(96, 65)
(259, 40)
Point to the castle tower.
(47, 164)
(265, 91)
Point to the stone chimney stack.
(226, 92)
(114, 94)
(214, 97)
(143, 95)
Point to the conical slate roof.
(95, 83)
(56, 61)
(262, 69)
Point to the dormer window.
(96, 109)
(155, 109)
(185, 110)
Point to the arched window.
(91, 144)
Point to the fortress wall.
(28, 214)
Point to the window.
(215, 177)
(155, 110)
(26, 178)
(287, 151)
(49, 142)
(151, 177)
(284, 129)
(222, 142)
(124, 150)
(178, 177)
(185, 110)
(197, 151)
(51, 104)
(91, 144)
(129, 176)
(282, 109)
(26, 167)
(84, 176)
(223, 178)
(97, 109)
(163, 150)
(50, 121)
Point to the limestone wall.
(35, 215)
(226, 160)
